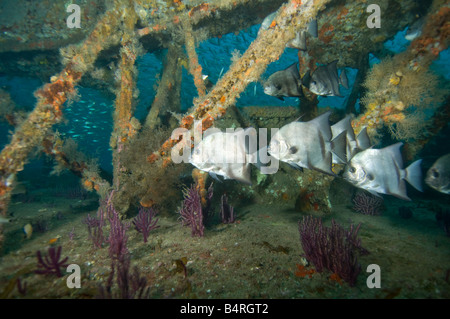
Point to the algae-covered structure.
(104, 46)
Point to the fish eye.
(352, 169)
(370, 177)
(293, 150)
(314, 82)
(278, 87)
(435, 174)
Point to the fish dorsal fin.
(414, 175)
(332, 68)
(294, 70)
(323, 124)
(363, 140)
(343, 125)
(394, 151)
(339, 146)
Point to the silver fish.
(299, 42)
(380, 171)
(268, 21)
(354, 144)
(415, 30)
(325, 81)
(308, 144)
(284, 83)
(226, 154)
(438, 176)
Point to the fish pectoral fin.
(296, 166)
(281, 98)
(323, 124)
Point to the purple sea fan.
(367, 204)
(332, 248)
(191, 212)
(95, 228)
(117, 236)
(226, 211)
(51, 263)
(145, 221)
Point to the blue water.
(89, 120)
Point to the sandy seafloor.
(256, 257)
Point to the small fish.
(225, 154)
(354, 144)
(380, 171)
(308, 144)
(4, 220)
(284, 83)
(415, 30)
(268, 21)
(438, 176)
(325, 81)
(54, 240)
(28, 230)
(208, 83)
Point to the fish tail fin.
(414, 175)
(339, 146)
(343, 79)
